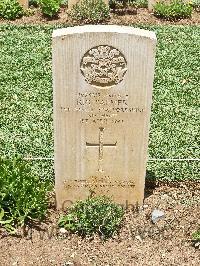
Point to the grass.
(26, 93)
(26, 98)
(175, 111)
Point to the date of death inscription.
(102, 108)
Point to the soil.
(139, 242)
(126, 17)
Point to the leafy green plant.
(6, 223)
(23, 196)
(139, 3)
(64, 2)
(37, 2)
(29, 12)
(10, 9)
(34, 3)
(90, 11)
(176, 9)
(128, 3)
(94, 215)
(50, 8)
(196, 5)
(196, 235)
(116, 4)
(196, 239)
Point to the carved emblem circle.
(103, 66)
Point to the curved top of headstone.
(104, 28)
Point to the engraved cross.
(101, 145)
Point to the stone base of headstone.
(24, 3)
(71, 3)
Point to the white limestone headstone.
(102, 79)
(151, 3)
(71, 3)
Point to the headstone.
(102, 79)
(24, 3)
(71, 3)
(151, 3)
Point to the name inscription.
(101, 108)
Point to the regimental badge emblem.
(103, 66)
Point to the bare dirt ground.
(142, 17)
(139, 242)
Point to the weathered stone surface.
(102, 78)
(71, 3)
(151, 3)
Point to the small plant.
(34, 3)
(50, 8)
(90, 11)
(196, 235)
(114, 4)
(128, 7)
(10, 9)
(196, 5)
(23, 196)
(196, 239)
(98, 215)
(29, 12)
(139, 3)
(64, 2)
(176, 9)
